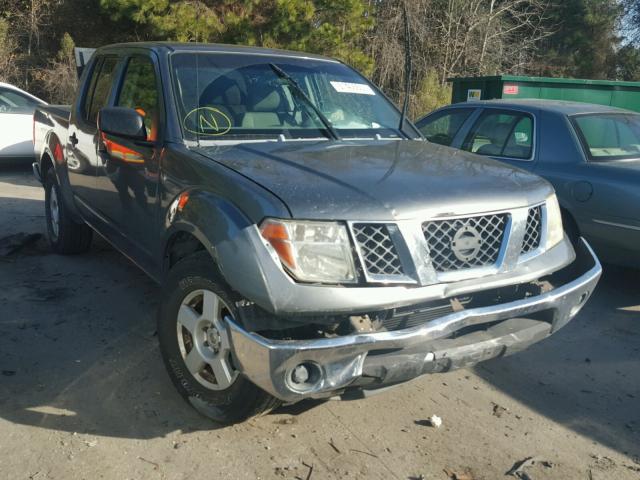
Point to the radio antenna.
(407, 66)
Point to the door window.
(100, 88)
(609, 136)
(14, 102)
(86, 101)
(501, 134)
(442, 127)
(140, 92)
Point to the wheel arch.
(46, 164)
(47, 159)
(196, 221)
(53, 157)
(179, 245)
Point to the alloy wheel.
(204, 341)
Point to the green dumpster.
(604, 92)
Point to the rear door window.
(442, 127)
(101, 87)
(86, 101)
(614, 136)
(501, 133)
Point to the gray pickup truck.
(309, 243)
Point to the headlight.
(554, 222)
(312, 251)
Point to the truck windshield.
(610, 136)
(241, 96)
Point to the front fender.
(213, 220)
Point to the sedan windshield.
(243, 96)
(610, 136)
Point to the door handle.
(73, 139)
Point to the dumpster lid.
(526, 79)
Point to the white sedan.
(16, 122)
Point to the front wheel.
(195, 345)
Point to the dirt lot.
(83, 393)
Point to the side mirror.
(122, 122)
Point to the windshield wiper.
(300, 93)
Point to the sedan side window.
(501, 134)
(609, 136)
(443, 126)
(13, 102)
(140, 92)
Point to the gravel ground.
(83, 393)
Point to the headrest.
(222, 91)
(264, 98)
(499, 134)
(233, 96)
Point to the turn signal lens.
(278, 237)
(312, 251)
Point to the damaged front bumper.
(295, 369)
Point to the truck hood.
(378, 179)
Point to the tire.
(64, 235)
(234, 398)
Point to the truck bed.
(57, 113)
(50, 125)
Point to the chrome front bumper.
(375, 360)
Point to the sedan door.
(608, 191)
(445, 125)
(503, 134)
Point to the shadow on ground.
(586, 377)
(78, 348)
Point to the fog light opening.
(305, 376)
(578, 306)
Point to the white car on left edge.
(16, 122)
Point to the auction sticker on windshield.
(348, 87)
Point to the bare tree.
(59, 80)
(455, 38)
(29, 18)
(8, 53)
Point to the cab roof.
(216, 47)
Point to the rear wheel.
(195, 345)
(64, 234)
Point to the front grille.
(462, 243)
(378, 251)
(533, 234)
(412, 316)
